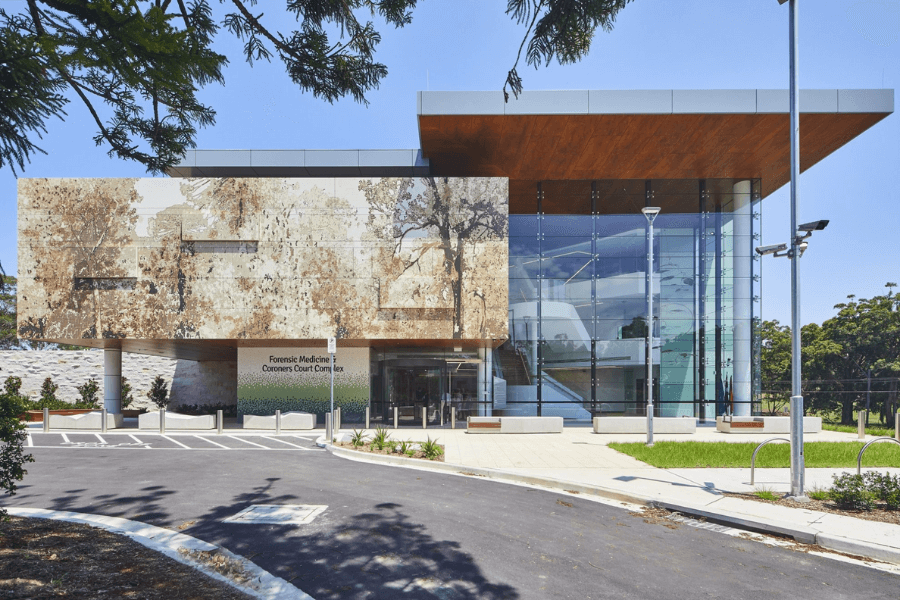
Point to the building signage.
(299, 379)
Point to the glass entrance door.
(411, 386)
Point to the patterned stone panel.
(363, 258)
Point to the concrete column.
(743, 301)
(112, 380)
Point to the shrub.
(88, 392)
(765, 493)
(12, 440)
(849, 492)
(159, 392)
(817, 492)
(358, 439)
(12, 385)
(884, 487)
(405, 448)
(380, 438)
(48, 393)
(127, 398)
(391, 445)
(431, 449)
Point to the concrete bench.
(765, 424)
(639, 425)
(176, 421)
(289, 420)
(91, 420)
(514, 425)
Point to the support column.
(743, 299)
(485, 381)
(112, 380)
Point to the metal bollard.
(329, 434)
(46, 420)
(861, 425)
(424, 417)
(452, 417)
(162, 420)
(367, 417)
(897, 426)
(337, 423)
(442, 414)
(103, 421)
(219, 421)
(277, 421)
(395, 417)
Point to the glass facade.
(578, 299)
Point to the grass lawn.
(876, 430)
(674, 455)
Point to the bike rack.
(859, 456)
(753, 458)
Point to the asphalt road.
(398, 533)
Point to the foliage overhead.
(137, 65)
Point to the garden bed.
(43, 558)
(381, 444)
(879, 513)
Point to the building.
(501, 268)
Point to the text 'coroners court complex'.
(500, 269)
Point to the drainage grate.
(278, 514)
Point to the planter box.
(89, 420)
(150, 420)
(765, 424)
(514, 425)
(639, 425)
(289, 420)
(37, 416)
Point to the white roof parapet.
(302, 163)
(596, 102)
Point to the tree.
(7, 311)
(775, 361)
(12, 440)
(136, 65)
(159, 392)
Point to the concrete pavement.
(580, 460)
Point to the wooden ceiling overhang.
(722, 143)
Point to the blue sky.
(656, 44)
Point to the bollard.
(162, 420)
(861, 425)
(897, 426)
(277, 421)
(219, 421)
(46, 420)
(103, 421)
(424, 417)
(337, 422)
(395, 417)
(367, 417)
(442, 414)
(329, 434)
(452, 417)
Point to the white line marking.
(248, 442)
(66, 439)
(137, 440)
(284, 442)
(176, 441)
(211, 442)
(102, 441)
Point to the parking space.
(173, 441)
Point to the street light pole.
(650, 213)
(798, 466)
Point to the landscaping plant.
(88, 392)
(358, 439)
(849, 492)
(12, 440)
(380, 438)
(48, 393)
(405, 448)
(127, 398)
(12, 385)
(884, 487)
(431, 449)
(159, 392)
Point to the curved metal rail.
(859, 456)
(753, 458)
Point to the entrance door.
(412, 386)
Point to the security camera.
(814, 226)
(763, 250)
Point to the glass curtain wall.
(578, 299)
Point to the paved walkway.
(582, 457)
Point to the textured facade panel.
(364, 258)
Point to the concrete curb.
(263, 584)
(800, 533)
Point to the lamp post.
(650, 213)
